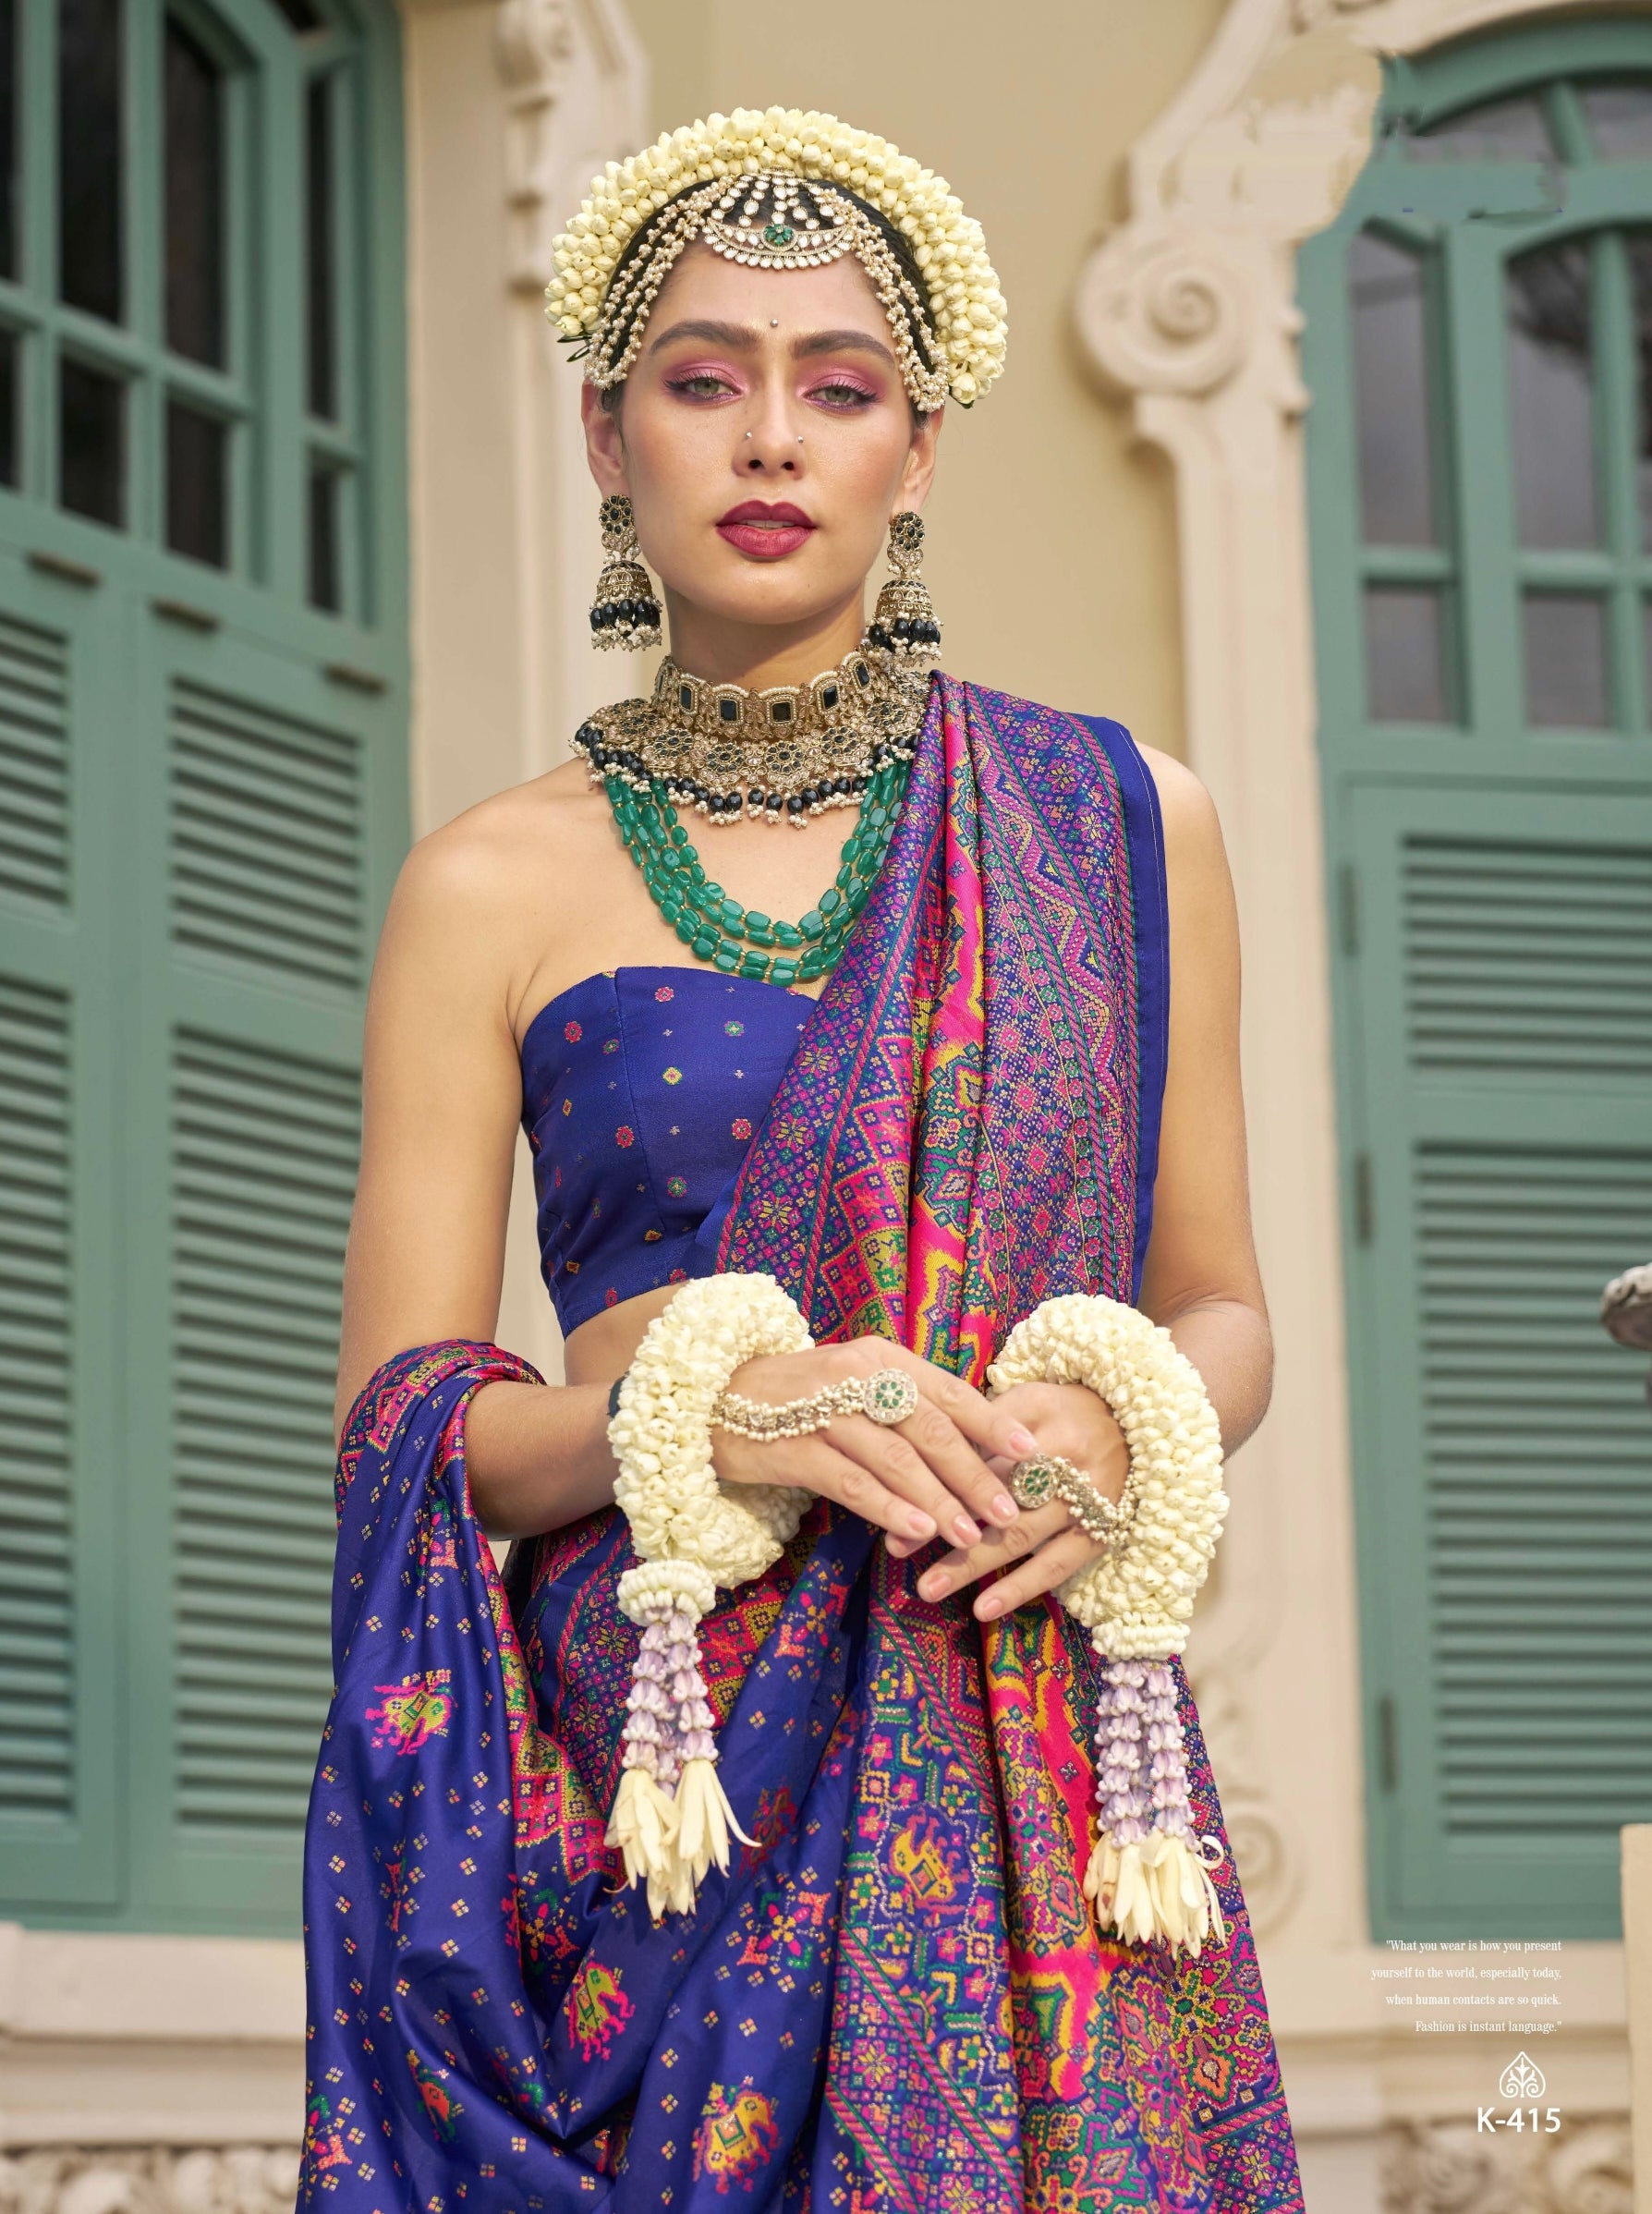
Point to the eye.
(700, 383)
(844, 392)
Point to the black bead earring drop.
(903, 620)
(626, 613)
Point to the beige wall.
(1052, 542)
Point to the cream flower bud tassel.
(1148, 1875)
(672, 1817)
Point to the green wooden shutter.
(1486, 742)
(270, 821)
(1504, 984)
(60, 1529)
(203, 801)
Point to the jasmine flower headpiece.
(784, 190)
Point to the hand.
(1049, 1546)
(929, 1474)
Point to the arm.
(1200, 1278)
(441, 1097)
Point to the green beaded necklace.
(744, 942)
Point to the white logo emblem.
(1521, 2079)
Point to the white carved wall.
(1187, 313)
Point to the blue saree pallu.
(896, 2001)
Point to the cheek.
(678, 466)
(861, 478)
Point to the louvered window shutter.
(59, 1248)
(262, 829)
(1483, 608)
(203, 802)
(1506, 966)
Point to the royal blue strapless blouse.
(641, 1088)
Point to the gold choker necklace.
(782, 753)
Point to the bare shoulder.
(477, 897)
(1195, 861)
(1186, 805)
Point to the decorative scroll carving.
(1453, 2168)
(1270, 1874)
(1165, 313)
(65, 2179)
(1308, 13)
(535, 43)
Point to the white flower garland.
(948, 246)
(672, 1817)
(1148, 1874)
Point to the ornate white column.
(577, 97)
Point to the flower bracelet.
(691, 1533)
(1148, 1874)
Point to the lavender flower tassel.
(1148, 1874)
(645, 1817)
(704, 1816)
(671, 1818)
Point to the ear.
(604, 445)
(919, 470)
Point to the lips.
(765, 533)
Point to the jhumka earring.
(903, 620)
(626, 611)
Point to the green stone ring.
(1033, 1482)
(1050, 1475)
(891, 1395)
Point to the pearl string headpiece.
(780, 190)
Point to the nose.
(769, 446)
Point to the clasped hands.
(944, 1471)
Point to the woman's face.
(765, 438)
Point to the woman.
(958, 1086)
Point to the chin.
(765, 595)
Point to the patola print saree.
(896, 2001)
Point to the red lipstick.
(767, 533)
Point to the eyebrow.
(744, 336)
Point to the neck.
(757, 654)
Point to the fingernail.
(969, 1531)
(933, 1585)
(989, 1605)
(920, 1524)
(1023, 1441)
(1003, 1506)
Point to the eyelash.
(857, 395)
(686, 384)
